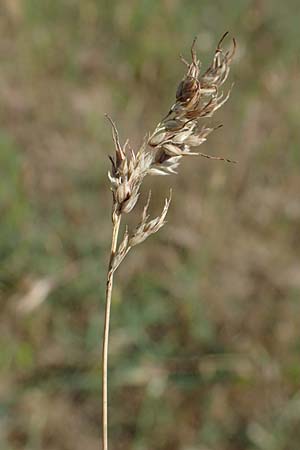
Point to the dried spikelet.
(218, 71)
(145, 228)
(127, 173)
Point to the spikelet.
(127, 173)
(143, 230)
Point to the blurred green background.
(205, 342)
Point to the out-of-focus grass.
(205, 341)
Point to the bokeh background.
(205, 342)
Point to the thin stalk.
(109, 286)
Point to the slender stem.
(109, 286)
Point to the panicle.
(197, 97)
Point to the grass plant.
(198, 97)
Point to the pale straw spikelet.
(197, 97)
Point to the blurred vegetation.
(205, 328)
